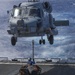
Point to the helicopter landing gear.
(51, 39)
(42, 41)
(13, 40)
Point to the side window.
(36, 12)
(32, 12)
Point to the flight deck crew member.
(30, 61)
(24, 70)
(36, 70)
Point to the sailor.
(36, 70)
(24, 70)
(33, 62)
(30, 61)
(30, 64)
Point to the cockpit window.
(17, 12)
(34, 12)
(27, 11)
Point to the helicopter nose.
(20, 22)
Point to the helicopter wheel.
(13, 41)
(51, 39)
(41, 41)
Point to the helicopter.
(32, 19)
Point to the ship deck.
(47, 69)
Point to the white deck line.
(41, 64)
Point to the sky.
(64, 44)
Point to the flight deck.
(48, 68)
